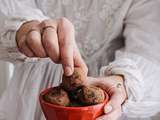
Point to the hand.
(114, 86)
(51, 38)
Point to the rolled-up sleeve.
(139, 60)
(13, 14)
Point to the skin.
(117, 95)
(58, 43)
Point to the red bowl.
(55, 112)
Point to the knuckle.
(45, 22)
(48, 22)
(65, 43)
(66, 22)
(63, 19)
(47, 44)
(30, 40)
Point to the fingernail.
(108, 108)
(68, 71)
(99, 118)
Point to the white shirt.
(114, 37)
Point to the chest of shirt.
(94, 20)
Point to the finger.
(117, 94)
(23, 48)
(78, 60)
(115, 102)
(117, 99)
(114, 115)
(66, 37)
(35, 44)
(50, 42)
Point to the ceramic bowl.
(55, 112)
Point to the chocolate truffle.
(76, 80)
(90, 95)
(57, 96)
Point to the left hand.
(114, 86)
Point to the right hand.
(51, 38)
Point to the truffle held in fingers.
(76, 80)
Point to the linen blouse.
(114, 37)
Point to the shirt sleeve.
(139, 61)
(13, 13)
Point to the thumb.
(108, 108)
(114, 103)
(112, 110)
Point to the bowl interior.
(42, 101)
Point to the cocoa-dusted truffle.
(57, 96)
(76, 80)
(90, 95)
(74, 91)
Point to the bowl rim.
(42, 101)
